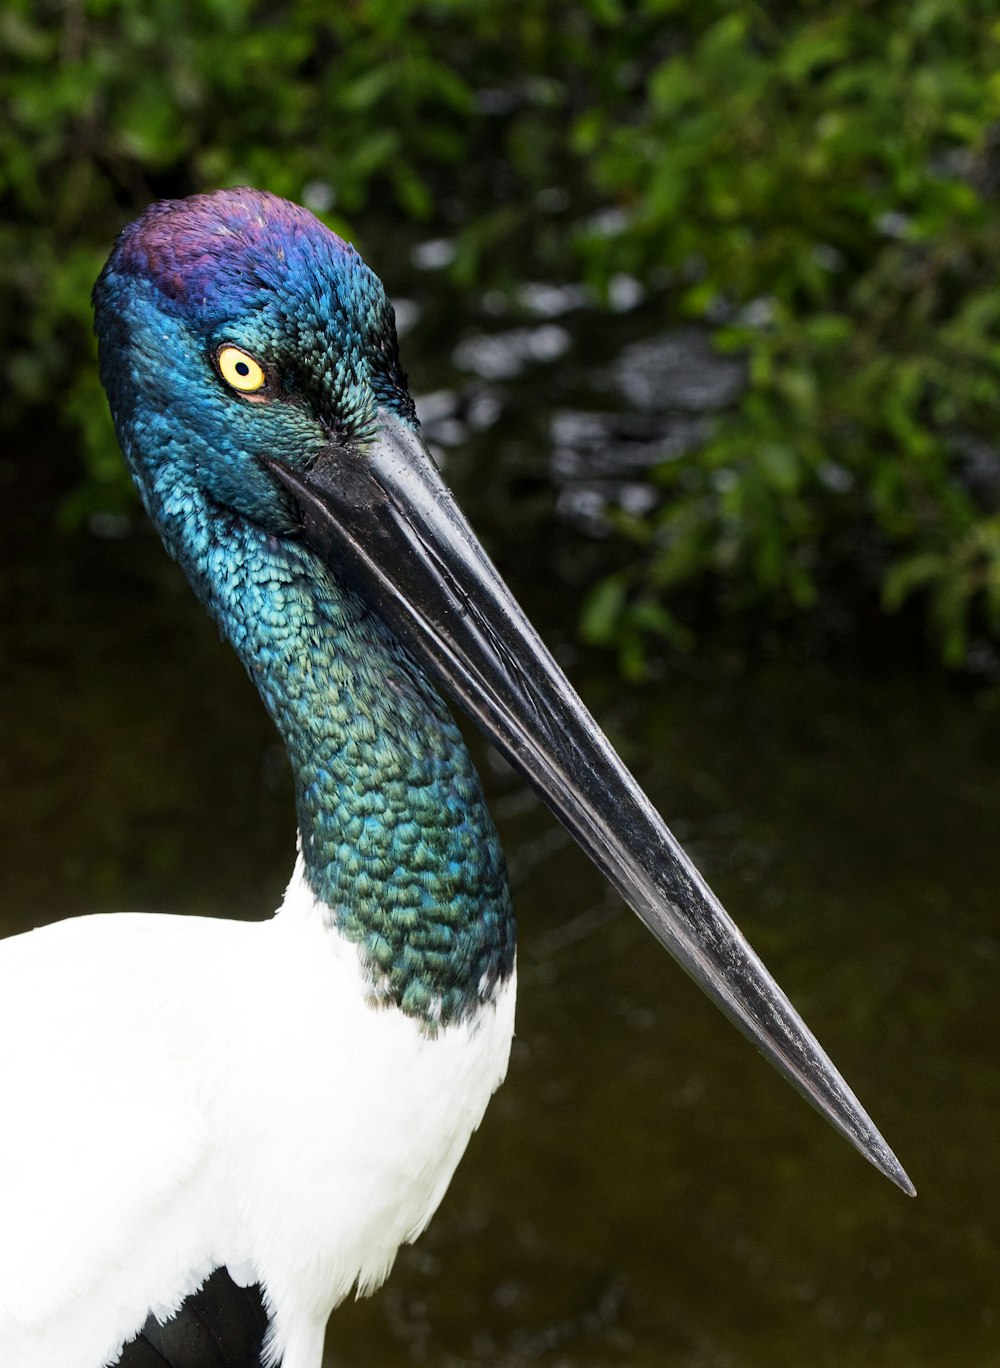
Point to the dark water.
(644, 1190)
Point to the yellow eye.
(240, 370)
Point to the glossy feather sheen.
(254, 1112)
(396, 837)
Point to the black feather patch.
(221, 1325)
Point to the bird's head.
(235, 330)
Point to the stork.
(214, 1130)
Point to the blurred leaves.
(817, 182)
(813, 183)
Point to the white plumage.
(215, 1093)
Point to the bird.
(215, 1130)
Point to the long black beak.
(384, 517)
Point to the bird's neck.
(397, 842)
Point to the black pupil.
(242, 368)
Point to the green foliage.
(819, 176)
(814, 182)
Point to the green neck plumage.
(396, 838)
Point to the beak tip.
(901, 1178)
(878, 1153)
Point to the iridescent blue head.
(235, 324)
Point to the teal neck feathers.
(396, 838)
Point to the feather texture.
(222, 1325)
